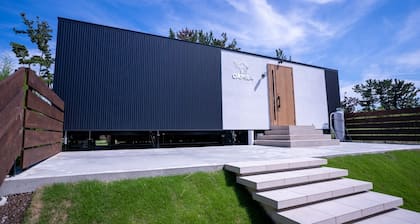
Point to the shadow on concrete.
(255, 212)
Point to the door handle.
(278, 102)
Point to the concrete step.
(281, 179)
(298, 143)
(300, 195)
(400, 216)
(340, 210)
(293, 137)
(293, 132)
(264, 166)
(293, 127)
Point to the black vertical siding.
(333, 89)
(114, 79)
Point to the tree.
(396, 94)
(6, 67)
(206, 38)
(349, 104)
(187, 35)
(387, 94)
(367, 92)
(39, 33)
(171, 34)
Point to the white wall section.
(311, 105)
(245, 93)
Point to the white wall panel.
(244, 102)
(311, 106)
(245, 93)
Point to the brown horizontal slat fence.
(32, 118)
(390, 125)
(11, 120)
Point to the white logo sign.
(242, 72)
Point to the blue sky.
(362, 39)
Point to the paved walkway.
(123, 164)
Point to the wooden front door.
(282, 100)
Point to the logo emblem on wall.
(242, 72)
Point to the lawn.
(204, 197)
(396, 173)
(196, 198)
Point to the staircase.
(301, 191)
(295, 136)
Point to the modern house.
(135, 89)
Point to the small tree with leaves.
(349, 103)
(367, 92)
(39, 33)
(281, 55)
(171, 33)
(6, 67)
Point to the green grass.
(197, 198)
(204, 197)
(396, 173)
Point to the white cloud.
(102, 13)
(410, 28)
(273, 27)
(411, 59)
(9, 54)
(260, 26)
(417, 84)
(346, 89)
(350, 15)
(238, 5)
(375, 71)
(323, 1)
(379, 72)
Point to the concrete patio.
(123, 164)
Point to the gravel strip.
(14, 210)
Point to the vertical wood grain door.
(282, 100)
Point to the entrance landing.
(126, 164)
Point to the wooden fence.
(31, 121)
(390, 125)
